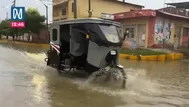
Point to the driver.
(78, 43)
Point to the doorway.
(141, 35)
(177, 37)
(185, 37)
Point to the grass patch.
(185, 51)
(143, 52)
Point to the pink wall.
(185, 37)
(151, 29)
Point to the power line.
(7, 16)
(14, 3)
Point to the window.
(185, 31)
(111, 33)
(72, 7)
(54, 34)
(64, 12)
(55, 12)
(129, 33)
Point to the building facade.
(154, 28)
(64, 9)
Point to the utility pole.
(14, 3)
(7, 16)
(164, 3)
(75, 9)
(47, 17)
(90, 11)
(46, 12)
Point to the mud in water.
(25, 81)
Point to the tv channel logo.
(17, 13)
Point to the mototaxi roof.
(86, 20)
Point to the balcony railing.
(176, 11)
(57, 2)
(62, 17)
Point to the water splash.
(137, 83)
(141, 91)
(23, 60)
(36, 56)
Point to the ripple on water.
(141, 90)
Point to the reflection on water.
(174, 73)
(26, 48)
(39, 82)
(26, 81)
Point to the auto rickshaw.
(88, 44)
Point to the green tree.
(34, 21)
(4, 27)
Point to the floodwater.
(25, 81)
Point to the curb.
(167, 57)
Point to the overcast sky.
(6, 4)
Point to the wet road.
(25, 81)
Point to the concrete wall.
(42, 37)
(164, 30)
(171, 31)
(137, 22)
(160, 31)
(103, 6)
(98, 7)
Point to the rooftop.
(135, 14)
(147, 13)
(176, 11)
(180, 5)
(122, 1)
(170, 14)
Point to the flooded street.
(25, 81)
